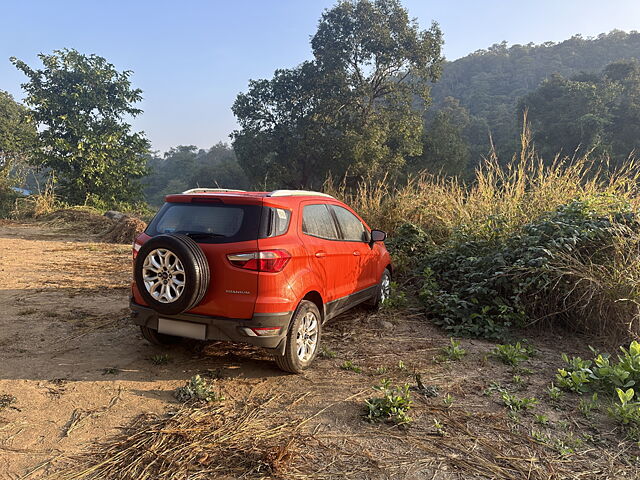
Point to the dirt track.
(79, 371)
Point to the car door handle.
(321, 254)
(356, 253)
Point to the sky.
(192, 58)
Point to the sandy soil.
(80, 371)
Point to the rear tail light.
(263, 261)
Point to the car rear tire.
(303, 339)
(155, 338)
(171, 273)
(383, 292)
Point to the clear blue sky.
(191, 58)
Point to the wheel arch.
(315, 297)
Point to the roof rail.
(297, 193)
(211, 190)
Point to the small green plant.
(539, 436)
(512, 354)
(554, 392)
(381, 370)
(493, 388)
(586, 406)
(448, 400)
(518, 382)
(349, 365)
(110, 371)
(518, 404)
(627, 412)
(453, 351)
(197, 390)
(402, 366)
(327, 353)
(393, 405)
(576, 381)
(542, 419)
(160, 359)
(438, 427)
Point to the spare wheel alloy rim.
(163, 275)
(307, 336)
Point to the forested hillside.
(185, 167)
(488, 85)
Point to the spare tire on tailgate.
(171, 273)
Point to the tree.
(79, 103)
(16, 143)
(185, 167)
(355, 108)
(567, 115)
(445, 150)
(17, 135)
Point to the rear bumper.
(222, 328)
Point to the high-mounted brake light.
(270, 261)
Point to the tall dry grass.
(512, 194)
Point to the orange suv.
(265, 268)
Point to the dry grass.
(124, 230)
(604, 293)
(253, 441)
(201, 442)
(35, 206)
(515, 194)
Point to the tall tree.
(79, 103)
(17, 135)
(355, 108)
(445, 150)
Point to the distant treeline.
(580, 94)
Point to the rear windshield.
(208, 223)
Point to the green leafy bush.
(393, 405)
(480, 283)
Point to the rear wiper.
(202, 234)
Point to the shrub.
(481, 286)
(393, 405)
(530, 241)
(197, 390)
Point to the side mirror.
(378, 236)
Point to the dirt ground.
(80, 372)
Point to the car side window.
(317, 221)
(352, 228)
